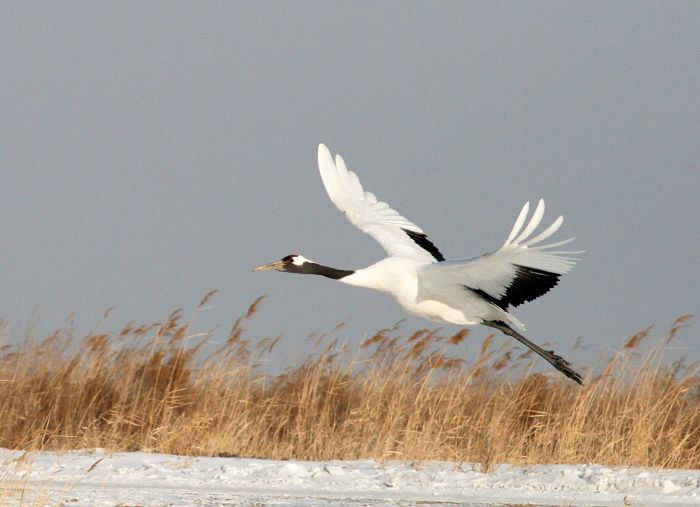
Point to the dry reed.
(158, 388)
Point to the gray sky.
(150, 152)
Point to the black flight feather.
(427, 245)
(528, 284)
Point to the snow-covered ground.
(100, 478)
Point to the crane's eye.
(289, 258)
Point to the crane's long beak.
(273, 265)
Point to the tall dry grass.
(158, 388)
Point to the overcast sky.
(152, 151)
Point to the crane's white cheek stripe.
(298, 260)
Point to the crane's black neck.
(311, 268)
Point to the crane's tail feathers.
(555, 360)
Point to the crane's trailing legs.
(558, 362)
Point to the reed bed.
(160, 388)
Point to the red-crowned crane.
(460, 291)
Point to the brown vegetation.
(157, 388)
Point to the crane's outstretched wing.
(397, 235)
(517, 272)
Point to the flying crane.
(457, 291)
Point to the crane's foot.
(563, 366)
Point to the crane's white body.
(408, 280)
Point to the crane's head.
(296, 263)
(291, 264)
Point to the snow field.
(100, 478)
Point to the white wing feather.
(534, 222)
(365, 211)
(496, 272)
